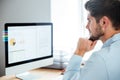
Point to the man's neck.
(109, 35)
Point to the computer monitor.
(27, 46)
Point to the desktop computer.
(27, 46)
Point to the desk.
(46, 74)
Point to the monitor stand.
(28, 76)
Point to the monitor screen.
(28, 42)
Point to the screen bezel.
(21, 25)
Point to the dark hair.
(109, 8)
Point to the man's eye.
(89, 20)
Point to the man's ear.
(104, 21)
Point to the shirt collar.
(116, 37)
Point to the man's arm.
(94, 69)
(73, 68)
(83, 46)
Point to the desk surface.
(46, 74)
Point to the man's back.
(112, 57)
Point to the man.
(103, 24)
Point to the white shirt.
(102, 65)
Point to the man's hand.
(84, 45)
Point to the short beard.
(99, 33)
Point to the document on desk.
(59, 77)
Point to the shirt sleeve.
(73, 68)
(94, 69)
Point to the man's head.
(101, 10)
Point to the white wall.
(21, 11)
